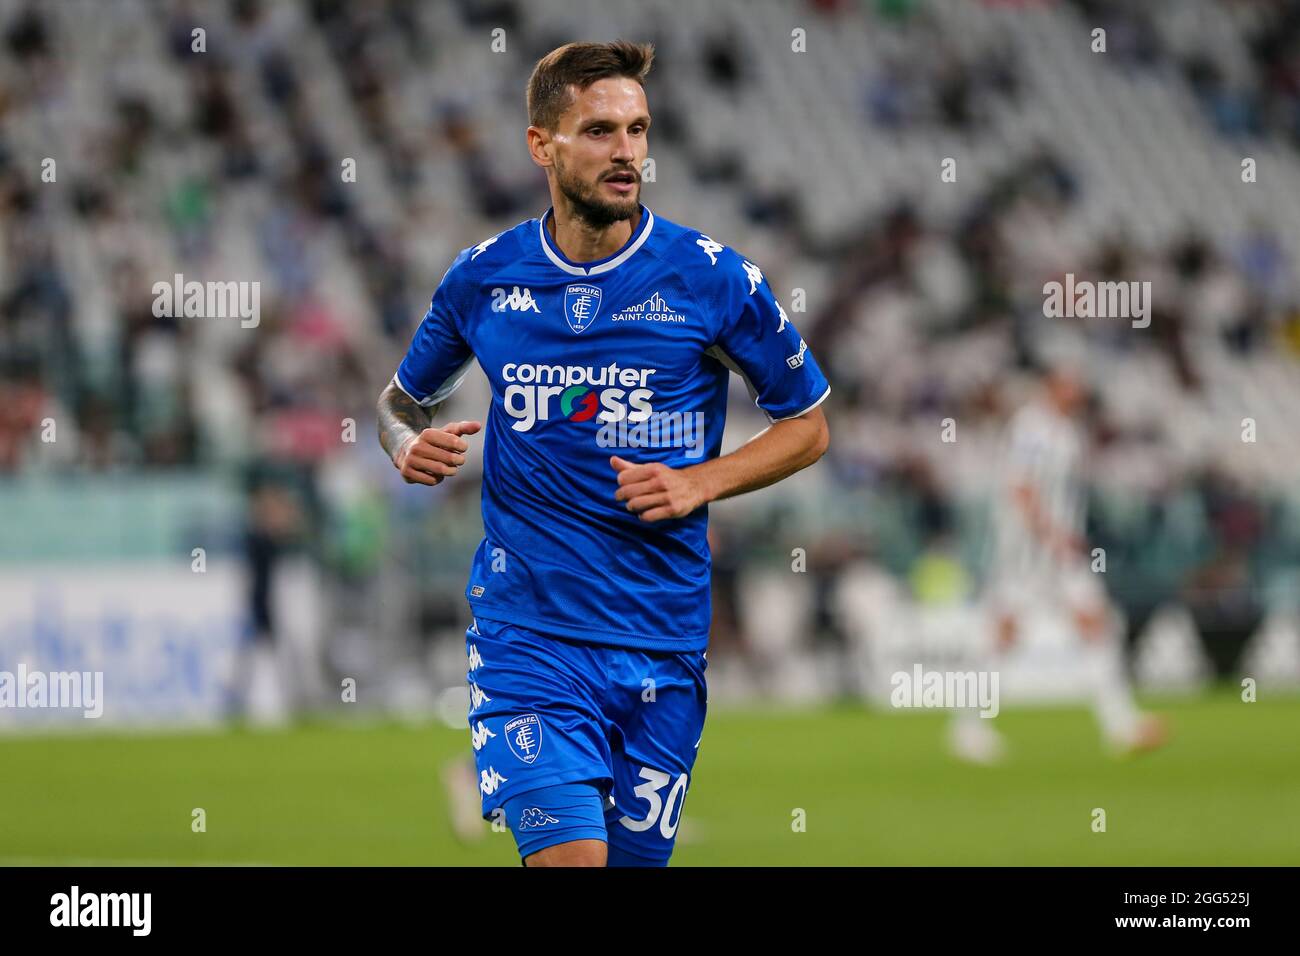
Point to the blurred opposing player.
(1040, 561)
(599, 326)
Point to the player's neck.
(582, 242)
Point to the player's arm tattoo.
(400, 417)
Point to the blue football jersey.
(628, 356)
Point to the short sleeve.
(757, 340)
(438, 358)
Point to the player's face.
(1067, 391)
(598, 148)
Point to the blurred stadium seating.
(923, 301)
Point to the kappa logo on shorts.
(534, 817)
(490, 780)
(524, 736)
(477, 697)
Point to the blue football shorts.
(574, 740)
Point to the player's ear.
(539, 142)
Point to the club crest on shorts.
(524, 736)
(581, 303)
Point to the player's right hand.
(435, 453)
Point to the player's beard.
(589, 206)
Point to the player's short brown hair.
(580, 65)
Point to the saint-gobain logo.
(524, 736)
(581, 303)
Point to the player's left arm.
(756, 339)
(656, 491)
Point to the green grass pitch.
(876, 789)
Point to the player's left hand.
(654, 491)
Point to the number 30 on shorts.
(660, 812)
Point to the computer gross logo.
(610, 393)
(578, 403)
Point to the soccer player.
(1039, 558)
(606, 333)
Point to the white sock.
(1112, 697)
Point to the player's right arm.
(422, 454)
(1035, 516)
(434, 366)
(1025, 474)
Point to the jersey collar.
(561, 261)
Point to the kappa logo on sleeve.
(482, 247)
(711, 248)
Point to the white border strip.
(719, 353)
(603, 267)
(786, 418)
(453, 382)
(398, 382)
